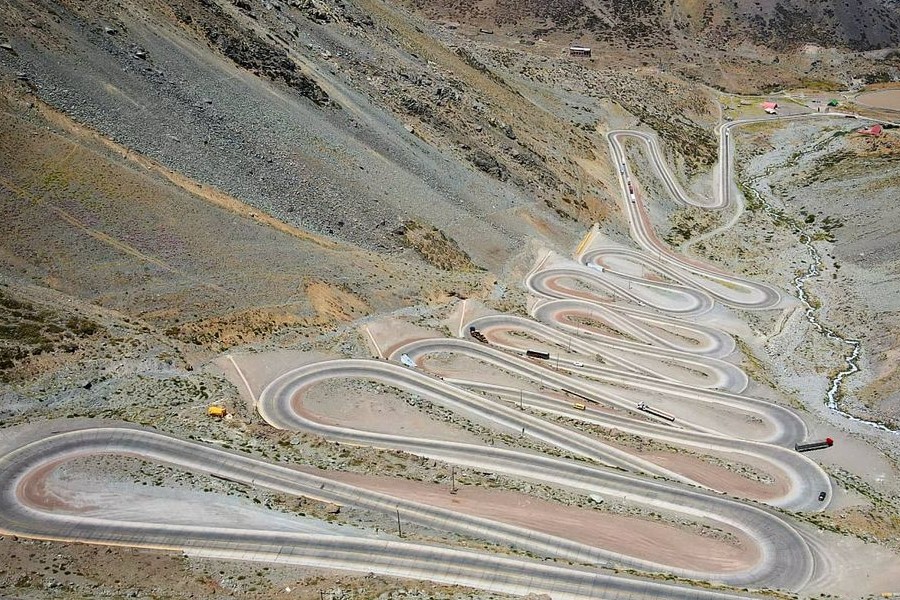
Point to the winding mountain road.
(625, 338)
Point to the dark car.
(822, 496)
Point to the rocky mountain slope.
(180, 179)
(357, 142)
(740, 46)
(780, 24)
(316, 116)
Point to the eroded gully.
(851, 359)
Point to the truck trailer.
(477, 335)
(538, 354)
(826, 443)
(655, 412)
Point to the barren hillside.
(739, 46)
(183, 182)
(317, 117)
(781, 24)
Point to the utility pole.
(521, 404)
(452, 479)
(399, 530)
(557, 360)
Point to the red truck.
(826, 443)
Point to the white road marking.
(374, 343)
(244, 379)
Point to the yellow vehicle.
(578, 406)
(216, 411)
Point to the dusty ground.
(180, 179)
(656, 541)
(858, 248)
(371, 406)
(736, 475)
(40, 569)
(71, 487)
(148, 241)
(889, 99)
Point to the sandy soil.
(725, 479)
(889, 99)
(856, 569)
(467, 368)
(733, 473)
(640, 538)
(455, 366)
(385, 412)
(585, 289)
(36, 491)
(372, 406)
(62, 486)
(681, 335)
(724, 419)
(71, 486)
(516, 338)
(251, 373)
(389, 334)
(589, 407)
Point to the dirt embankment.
(816, 177)
(35, 569)
(188, 258)
(337, 130)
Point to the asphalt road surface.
(624, 337)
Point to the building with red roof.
(875, 130)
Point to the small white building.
(579, 51)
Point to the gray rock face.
(487, 163)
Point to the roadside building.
(579, 51)
(875, 130)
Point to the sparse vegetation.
(688, 222)
(27, 331)
(435, 247)
(189, 185)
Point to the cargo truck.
(826, 443)
(477, 335)
(655, 412)
(216, 411)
